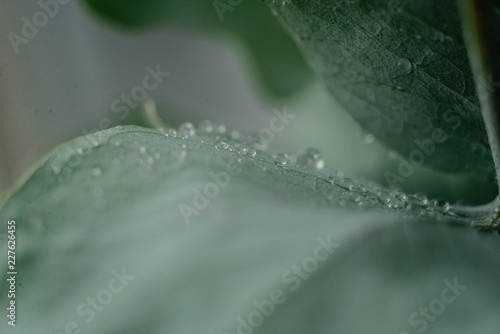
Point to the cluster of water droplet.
(309, 163)
(338, 189)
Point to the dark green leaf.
(401, 69)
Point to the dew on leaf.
(206, 126)
(366, 138)
(186, 130)
(221, 128)
(403, 65)
(384, 197)
(311, 158)
(441, 205)
(419, 199)
(345, 183)
(251, 152)
(235, 134)
(56, 169)
(171, 133)
(280, 160)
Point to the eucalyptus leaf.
(401, 69)
(279, 63)
(103, 244)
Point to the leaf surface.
(108, 203)
(401, 69)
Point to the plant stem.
(480, 24)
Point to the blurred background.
(72, 72)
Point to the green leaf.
(108, 205)
(401, 69)
(279, 63)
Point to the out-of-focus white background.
(62, 83)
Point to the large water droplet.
(311, 157)
(441, 204)
(280, 160)
(345, 183)
(206, 126)
(186, 130)
(251, 152)
(235, 134)
(221, 128)
(403, 65)
(384, 197)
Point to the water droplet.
(280, 160)
(150, 160)
(356, 197)
(206, 126)
(142, 149)
(223, 145)
(221, 128)
(171, 133)
(235, 134)
(418, 198)
(441, 204)
(186, 130)
(403, 65)
(79, 150)
(96, 171)
(251, 152)
(94, 142)
(366, 138)
(345, 183)
(56, 169)
(384, 197)
(311, 157)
